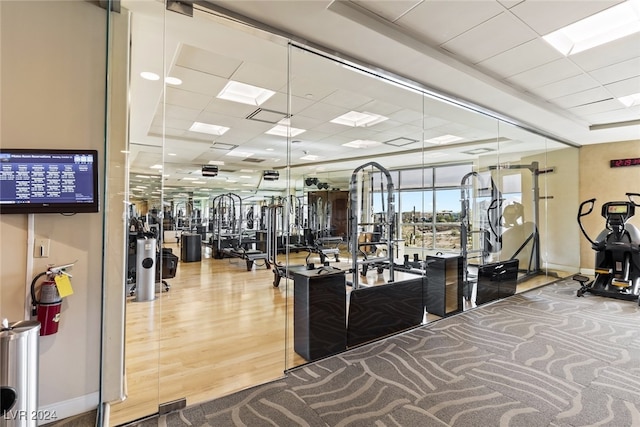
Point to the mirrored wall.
(254, 159)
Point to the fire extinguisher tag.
(63, 283)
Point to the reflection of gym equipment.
(476, 241)
(147, 265)
(228, 239)
(523, 239)
(381, 230)
(617, 263)
(283, 230)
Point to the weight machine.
(229, 239)
(474, 227)
(376, 231)
(524, 234)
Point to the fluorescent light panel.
(357, 119)
(630, 100)
(361, 143)
(244, 93)
(236, 153)
(286, 131)
(208, 128)
(444, 139)
(611, 24)
(309, 157)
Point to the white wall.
(53, 95)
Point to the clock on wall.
(624, 162)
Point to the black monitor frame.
(53, 207)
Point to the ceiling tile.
(574, 84)
(441, 21)
(581, 98)
(346, 99)
(614, 116)
(619, 71)
(490, 38)
(182, 113)
(624, 87)
(183, 98)
(611, 53)
(207, 62)
(521, 58)
(549, 15)
(548, 73)
(229, 108)
(509, 3)
(261, 76)
(197, 81)
(596, 107)
(389, 10)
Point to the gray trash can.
(19, 373)
(146, 270)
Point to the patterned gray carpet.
(542, 358)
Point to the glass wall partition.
(248, 156)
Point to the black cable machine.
(617, 260)
(380, 233)
(229, 239)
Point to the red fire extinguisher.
(47, 306)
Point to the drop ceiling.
(488, 53)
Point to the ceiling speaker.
(209, 170)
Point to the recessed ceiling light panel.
(236, 153)
(611, 24)
(357, 119)
(361, 143)
(244, 93)
(286, 131)
(208, 128)
(444, 139)
(630, 100)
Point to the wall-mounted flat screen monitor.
(48, 181)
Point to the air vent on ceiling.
(223, 146)
(400, 142)
(266, 116)
(253, 160)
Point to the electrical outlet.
(41, 248)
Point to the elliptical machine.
(617, 247)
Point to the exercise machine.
(477, 243)
(371, 234)
(229, 239)
(617, 263)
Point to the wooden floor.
(218, 330)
